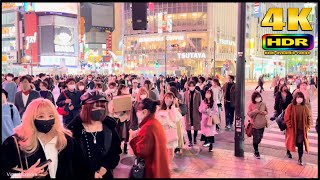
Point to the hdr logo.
(287, 44)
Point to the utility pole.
(165, 56)
(214, 58)
(240, 83)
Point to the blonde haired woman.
(41, 136)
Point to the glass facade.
(186, 39)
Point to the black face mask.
(44, 126)
(98, 115)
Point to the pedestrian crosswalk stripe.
(271, 135)
(282, 144)
(280, 132)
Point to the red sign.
(31, 37)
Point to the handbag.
(62, 110)
(280, 121)
(138, 169)
(249, 129)
(216, 119)
(183, 109)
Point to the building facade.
(180, 35)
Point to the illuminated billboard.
(70, 8)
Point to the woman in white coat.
(169, 115)
(217, 98)
(208, 109)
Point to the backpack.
(11, 110)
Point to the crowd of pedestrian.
(104, 116)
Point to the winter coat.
(258, 120)
(206, 113)
(111, 149)
(151, 145)
(290, 118)
(169, 119)
(196, 114)
(232, 94)
(279, 104)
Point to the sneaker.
(190, 144)
(228, 127)
(300, 162)
(210, 150)
(289, 155)
(206, 145)
(257, 155)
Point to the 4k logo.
(285, 42)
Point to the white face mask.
(142, 97)
(208, 96)
(81, 88)
(281, 82)
(191, 88)
(258, 99)
(71, 87)
(299, 100)
(9, 78)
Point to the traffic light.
(157, 64)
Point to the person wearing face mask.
(81, 87)
(149, 142)
(208, 108)
(11, 87)
(70, 98)
(45, 93)
(257, 111)
(112, 90)
(89, 83)
(95, 131)
(282, 100)
(10, 116)
(169, 115)
(277, 87)
(25, 96)
(229, 89)
(298, 121)
(142, 94)
(36, 83)
(192, 98)
(134, 90)
(122, 118)
(40, 137)
(98, 86)
(303, 87)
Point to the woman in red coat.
(149, 141)
(298, 121)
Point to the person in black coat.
(70, 99)
(282, 100)
(41, 137)
(89, 82)
(95, 132)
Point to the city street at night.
(138, 90)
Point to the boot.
(210, 147)
(125, 150)
(289, 154)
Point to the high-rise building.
(182, 36)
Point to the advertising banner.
(64, 40)
(31, 37)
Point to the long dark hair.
(122, 86)
(301, 95)
(210, 100)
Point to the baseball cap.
(93, 96)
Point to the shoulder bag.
(138, 169)
(19, 154)
(62, 110)
(183, 109)
(280, 121)
(249, 129)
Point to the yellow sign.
(8, 5)
(4, 58)
(293, 19)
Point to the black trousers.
(261, 87)
(229, 113)
(194, 136)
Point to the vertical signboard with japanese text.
(31, 37)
